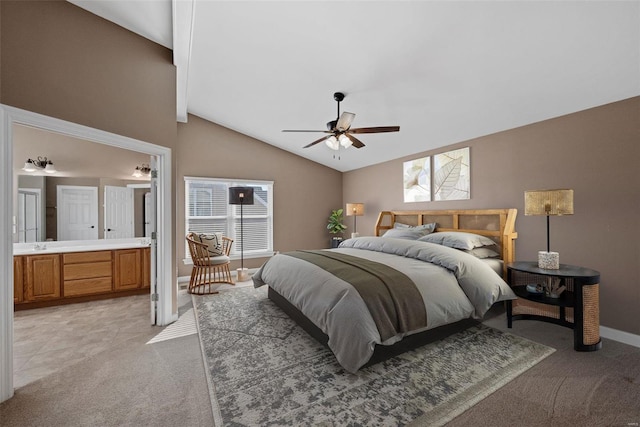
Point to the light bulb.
(332, 143)
(49, 168)
(345, 141)
(29, 166)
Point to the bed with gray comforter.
(375, 291)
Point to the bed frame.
(497, 224)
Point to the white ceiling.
(444, 71)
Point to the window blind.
(208, 211)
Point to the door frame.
(165, 283)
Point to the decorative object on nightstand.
(568, 297)
(241, 196)
(548, 202)
(355, 210)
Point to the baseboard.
(620, 336)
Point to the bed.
(424, 275)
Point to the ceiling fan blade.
(317, 141)
(378, 129)
(344, 122)
(290, 130)
(355, 141)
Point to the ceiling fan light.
(332, 142)
(345, 141)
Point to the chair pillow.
(458, 239)
(213, 242)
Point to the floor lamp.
(241, 196)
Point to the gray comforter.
(453, 285)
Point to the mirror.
(80, 165)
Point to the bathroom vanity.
(53, 273)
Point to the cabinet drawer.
(87, 271)
(79, 257)
(74, 288)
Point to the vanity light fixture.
(41, 163)
(140, 171)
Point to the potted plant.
(335, 226)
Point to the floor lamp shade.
(548, 203)
(355, 210)
(241, 196)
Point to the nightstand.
(577, 307)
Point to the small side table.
(578, 307)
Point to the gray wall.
(594, 152)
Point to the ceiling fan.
(339, 131)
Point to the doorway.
(165, 284)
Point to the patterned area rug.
(263, 369)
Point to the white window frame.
(229, 218)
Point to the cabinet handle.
(108, 229)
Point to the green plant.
(335, 225)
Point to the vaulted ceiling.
(444, 71)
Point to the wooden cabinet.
(87, 273)
(42, 278)
(127, 269)
(51, 279)
(18, 279)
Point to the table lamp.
(355, 210)
(548, 202)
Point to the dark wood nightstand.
(577, 307)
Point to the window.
(208, 211)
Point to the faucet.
(38, 246)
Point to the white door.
(118, 212)
(77, 212)
(150, 226)
(29, 220)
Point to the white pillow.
(458, 239)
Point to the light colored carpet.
(263, 369)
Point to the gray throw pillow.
(403, 231)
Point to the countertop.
(79, 246)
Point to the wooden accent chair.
(208, 270)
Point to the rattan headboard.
(497, 224)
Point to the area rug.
(263, 369)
